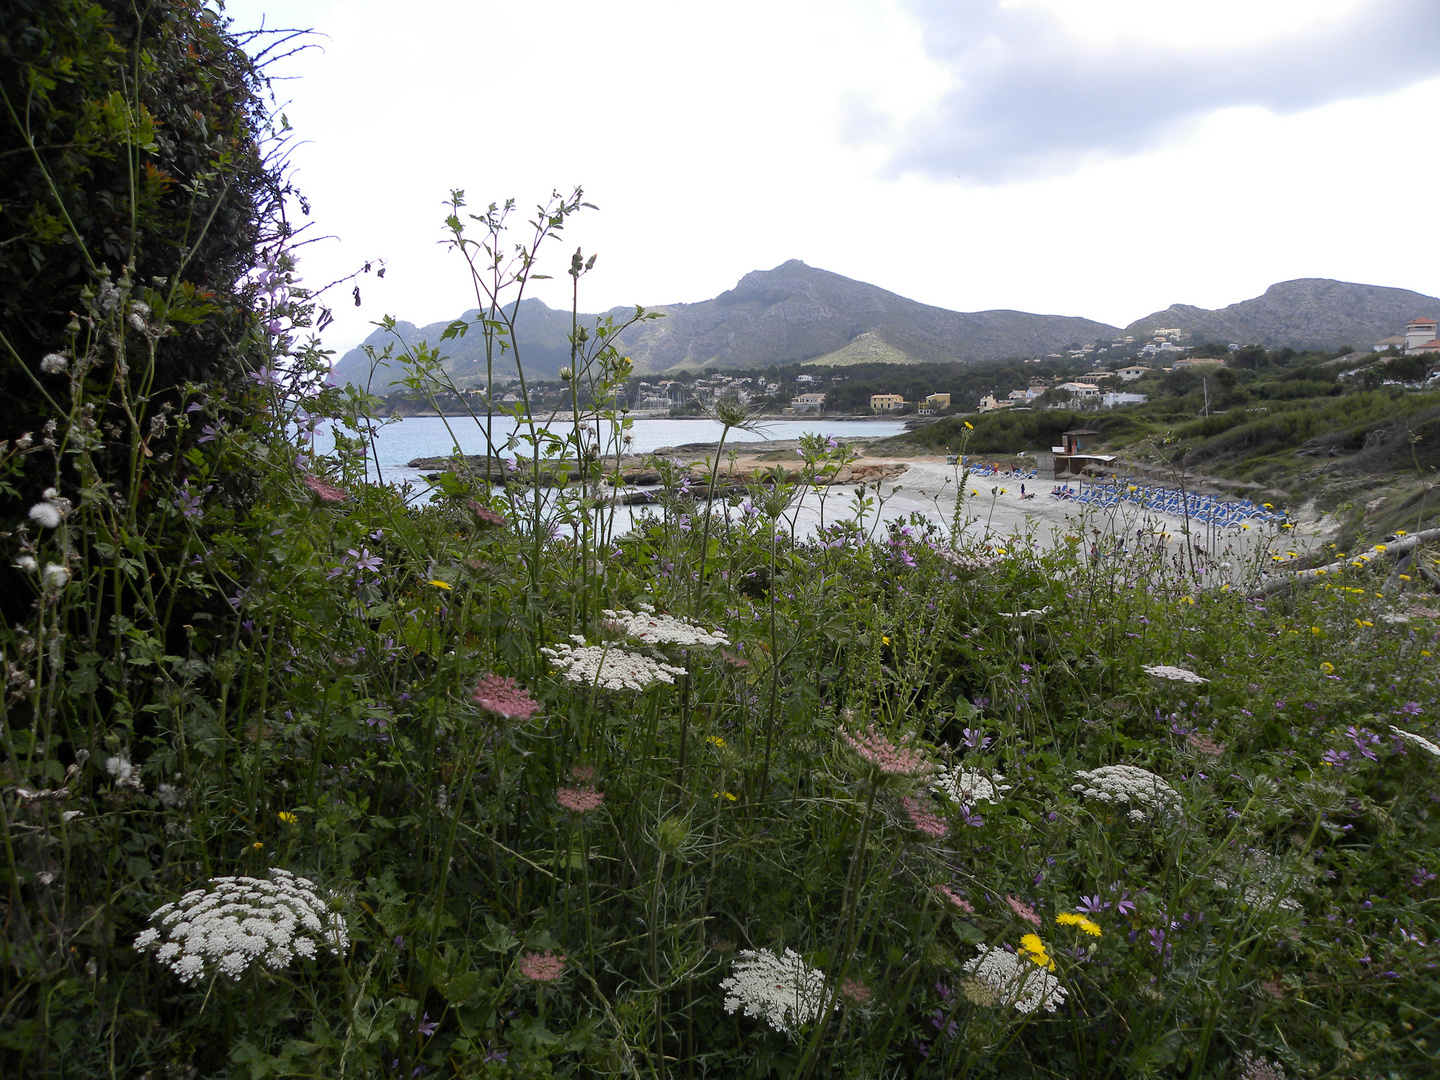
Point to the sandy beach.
(995, 511)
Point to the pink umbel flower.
(484, 514)
(579, 800)
(583, 773)
(543, 967)
(856, 991)
(924, 821)
(890, 758)
(949, 895)
(502, 696)
(1023, 910)
(324, 490)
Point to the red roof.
(1420, 320)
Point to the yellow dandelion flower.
(884, 639)
(1425, 652)
(1187, 600)
(969, 425)
(728, 796)
(1073, 918)
(1316, 631)
(440, 584)
(287, 817)
(1035, 951)
(1399, 532)
(1404, 577)
(258, 845)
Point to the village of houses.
(1121, 362)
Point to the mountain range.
(799, 314)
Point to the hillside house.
(1420, 335)
(886, 403)
(934, 404)
(808, 403)
(1394, 341)
(1131, 372)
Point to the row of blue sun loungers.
(1206, 509)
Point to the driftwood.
(1391, 546)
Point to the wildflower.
(715, 741)
(53, 363)
(1326, 667)
(485, 515)
(891, 759)
(127, 776)
(440, 584)
(1418, 740)
(1070, 918)
(1023, 910)
(924, 821)
(954, 898)
(1174, 674)
(856, 991)
(542, 967)
(969, 425)
(234, 921)
(782, 990)
(56, 577)
(287, 817)
(967, 786)
(1253, 1067)
(46, 514)
(610, 669)
(1034, 950)
(27, 563)
(1128, 783)
(1026, 987)
(579, 800)
(583, 773)
(728, 796)
(502, 696)
(323, 489)
(652, 629)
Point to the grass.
(720, 849)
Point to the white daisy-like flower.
(608, 668)
(46, 514)
(967, 786)
(652, 629)
(1419, 740)
(782, 990)
(1142, 789)
(1173, 674)
(234, 921)
(1025, 985)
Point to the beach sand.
(997, 513)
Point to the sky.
(1101, 158)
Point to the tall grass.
(574, 793)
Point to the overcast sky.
(1103, 158)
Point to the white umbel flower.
(782, 990)
(609, 669)
(1025, 985)
(1143, 790)
(969, 787)
(1173, 674)
(1419, 740)
(234, 921)
(653, 629)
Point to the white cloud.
(720, 141)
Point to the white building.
(1419, 332)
